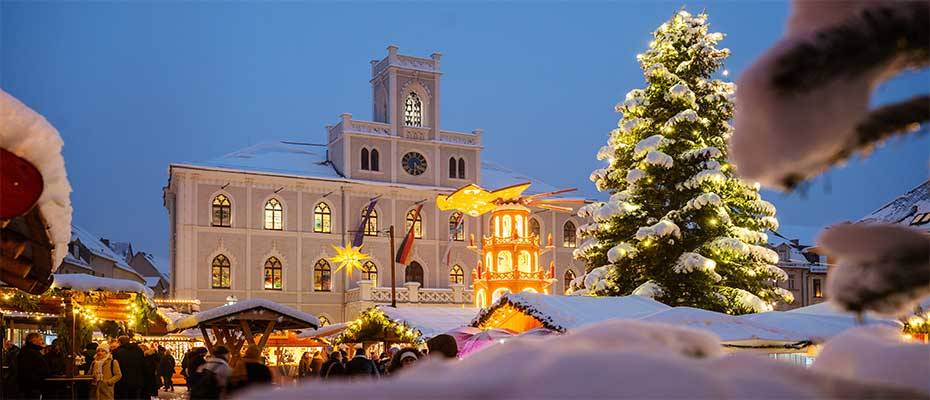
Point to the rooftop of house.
(95, 245)
(911, 209)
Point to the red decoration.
(21, 185)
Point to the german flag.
(403, 254)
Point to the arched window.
(534, 227)
(488, 260)
(568, 234)
(274, 279)
(324, 321)
(274, 215)
(417, 224)
(220, 272)
(453, 168)
(413, 110)
(322, 218)
(504, 261)
(364, 158)
(322, 277)
(370, 272)
(461, 168)
(414, 273)
(569, 277)
(524, 261)
(457, 226)
(222, 210)
(456, 275)
(371, 228)
(375, 159)
(506, 226)
(518, 226)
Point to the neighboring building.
(154, 270)
(261, 222)
(911, 209)
(807, 274)
(88, 254)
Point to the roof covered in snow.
(731, 329)
(85, 282)
(160, 264)
(563, 313)
(810, 327)
(98, 248)
(29, 135)
(431, 321)
(306, 160)
(123, 249)
(904, 209)
(289, 318)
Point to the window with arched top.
(568, 234)
(322, 218)
(364, 159)
(324, 321)
(220, 272)
(524, 261)
(504, 261)
(457, 226)
(371, 228)
(518, 226)
(370, 272)
(322, 277)
(534, 227)
(274, 279)
(453, 168)
(414, 273)
(456, 275)
(569, 277)
(461, 168)
(274, 215)
(506, 228)
(413, 110)
(375, 160)
(416, 223)
(222, 211)
(488, 260)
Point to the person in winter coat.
(10, 374)
(404, 358)
(197, 357)
(89, 353)
(132, 360)
(106, 373)
(305, 367)
(316, 363)
(360, 367)
(33, 369)
(150, 378)
(166, 370)
(55, 358)
(333, 368)
(214, 375)
(250, 370)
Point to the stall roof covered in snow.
(306, 160)
(289, 318)
(563, 313)
(814, 328)
(29, 135)
(910, 209)
(731, 329)
(431, 321)
(98, 248)
(85, 282)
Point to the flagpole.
(393, 279)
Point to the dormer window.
(921, 219)
(413, 110)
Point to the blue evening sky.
(134, 86)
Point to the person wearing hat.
(32, 367)
(214, 375)
(405, 358)
(106, 373)
(360, 367)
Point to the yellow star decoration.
(350, 257)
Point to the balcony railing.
(512, 275)
(494, 240)
(410, 293)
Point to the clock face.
(414, 163)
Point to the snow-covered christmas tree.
(679, 226)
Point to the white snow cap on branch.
(630, 124)
(707, 175)
(29, 135)
(702, 200)
(634, 98)
(661, 229)
(634, 175)
(751, 301)
(704, 152)
(882, 268)
(750, 236)
(686, 115)
(620, 251)
(648, 144)
(690, 262)
(606, 153)
(681, 91)
(785, 294)
(660, 159)
(598, 174)
(730, 245)
(595, 279)
(613, 208)
(649, 289)
(780, 274)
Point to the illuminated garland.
(919, 323)
(373, 325)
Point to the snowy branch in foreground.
(882, 268)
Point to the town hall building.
(261, 222)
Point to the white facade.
(293, 179)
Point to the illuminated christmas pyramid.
(509, 260)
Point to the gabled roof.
(159, 264)
(304, 160)
(431, 321)
(123, 249)
(96, 247)
(563, 313)
(902, 210)
(288, 318)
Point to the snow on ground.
(615, 359)
(240, 306)
(29, 135)
(431, 321)
(85, 282)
